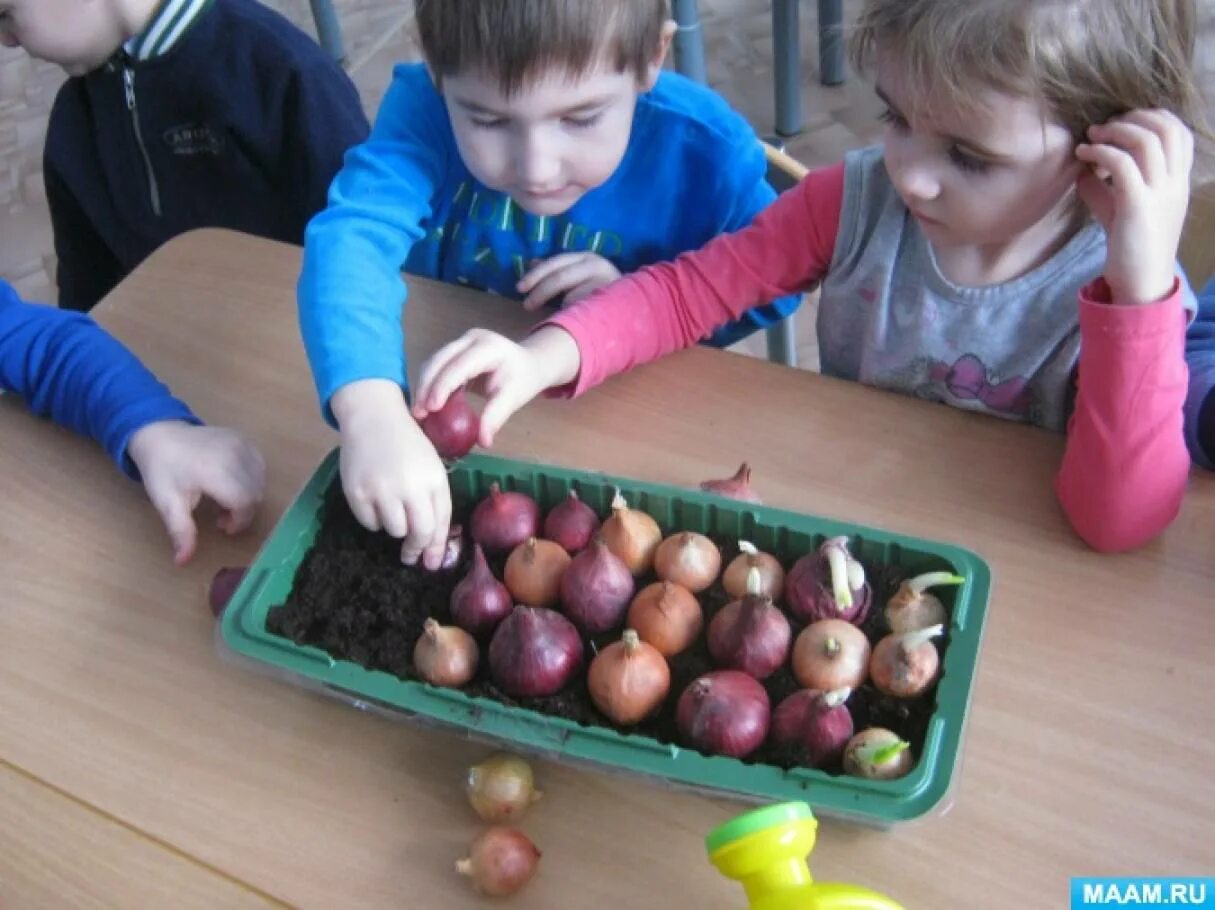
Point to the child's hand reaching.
(180, 463)
(513, 373)
(569, 276)
(391, 474)
(1147, 155)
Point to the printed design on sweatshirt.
(966, 380)
(488, 242)
(187, 139)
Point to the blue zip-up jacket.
(693, 168)
(1200, 402)
(241, 125)
(71, 370)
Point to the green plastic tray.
(786, 534)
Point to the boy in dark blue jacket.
(180, 114)
(1200, 403)
(540, 153)
(68, 368)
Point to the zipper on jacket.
(128, 84)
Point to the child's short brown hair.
(1086, 60)
(512, 41)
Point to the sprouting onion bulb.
(907, 664)
(771, 573)
(913, 607)
(829, 584)
(878, 754)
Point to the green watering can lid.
(757, 820)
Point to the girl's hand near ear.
(1145, 157)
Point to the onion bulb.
(533, 572)
(912, 607)
(500, 861)
(831, 654)
(628, 680)
(667, 616)
(750, 634)
(502, 521)
(571, 523)
(736, 487)
(816, 724)
(724, 713)
(595, 589)
(907, 664)
(771, 573)
(479, 601)
(452, 429)
(878, 754)
(445, 655)
(829, 584)
(223, 586)
(501, 787)
(534, 652)
(632, 535)
(689, 559)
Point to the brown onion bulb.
(501, 787)
(771, 573)
(500, 861)
(689, 559)
(445, 655)
(912, 607)
(632, 535)
(667, 616)
(533, 572)
(878, 754)
(907, 664)
(751, 634)
(571, 523)
(595, 589)
(831, 654)
(628, 680)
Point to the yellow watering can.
(766, 851)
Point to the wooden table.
(137, 768)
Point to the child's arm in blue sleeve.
(745, 191)
(71, 370)
(1200, 402)
(350, 292)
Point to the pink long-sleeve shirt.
(1125, 465)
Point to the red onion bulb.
(736, 487)
(534, 652)
(595, 589)
(724, 713)
(500, 861)
(816, 724)
(751, 634)
(479, 601)
(829, 584)
(454, 427)
(571, 523)
(502, 521)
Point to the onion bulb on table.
(500, 861)
(501, 788)
(735, 487)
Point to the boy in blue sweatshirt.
(1200, 402)
(68, 368)
(539, 153)
(180, 114)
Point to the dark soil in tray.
(353, 599)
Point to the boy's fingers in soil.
(420, 519)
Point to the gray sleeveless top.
(888, 317)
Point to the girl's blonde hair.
(1086, 60)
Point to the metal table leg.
(328, 29)
(831, 41)
(786, 54)
(689, 41)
